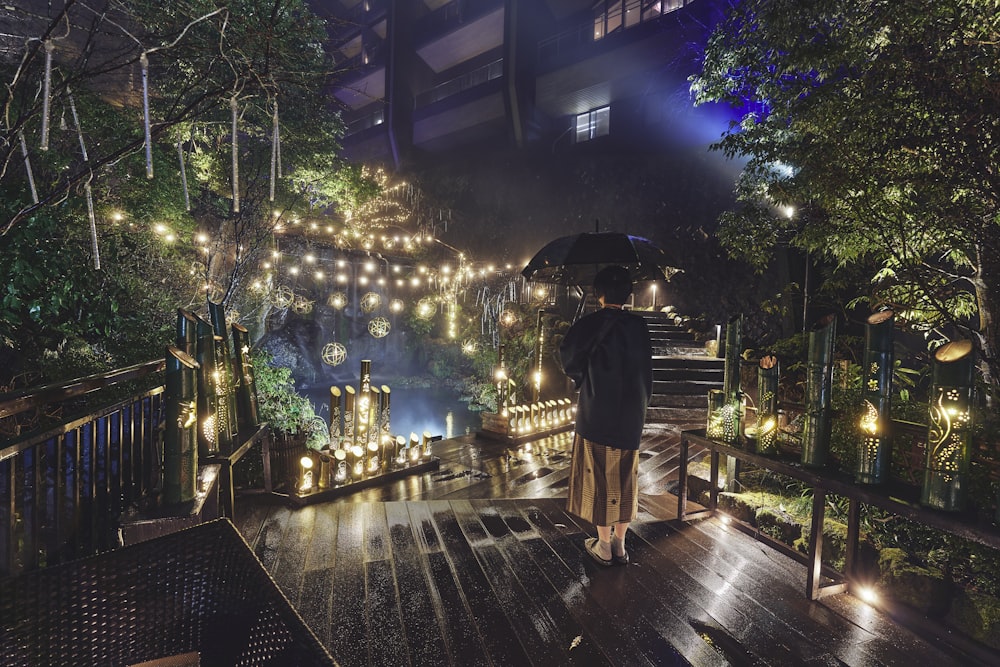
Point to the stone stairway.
(682, 372)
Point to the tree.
(875, 122)
(74, 93)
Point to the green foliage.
(52, 299)
(284, 409)
(856, 119)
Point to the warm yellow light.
(294, 270)
(341, 278)
(202, 238)
(117, 216)
(415, 281)
(275, 254)
(445, 269)
(159, 228)
(362, 280)
(266, 265)
(422, 269)
(319, 275)
(306, 462)
(310, 259)
(369, 266)
(867, 594)
(169, 238)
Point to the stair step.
(684, 387)
(667, 415)
(686, 374)
(677, 351)
(679, 401)
(671, 335)
(687, 361)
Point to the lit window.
(631, 13)
(595, 123)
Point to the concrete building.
(426, 77)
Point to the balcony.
(459, 39)
(476, 77)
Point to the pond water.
(415, 410)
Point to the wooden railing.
(63, 486)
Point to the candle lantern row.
(540, 416)
(362, 445)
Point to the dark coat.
(615, 378)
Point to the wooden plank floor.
(478, 564)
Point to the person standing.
(608, 355)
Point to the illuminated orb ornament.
(508, 318)
(469, 346)
(302, 306)
(426, 308)
(396, 305)
(337, 300)
(283, 297)
(379, 327)
(370, 302)
(334, 354)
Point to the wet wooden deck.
(478, 564)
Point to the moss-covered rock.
(834, 542)
(737, 506)
(922, 588)
(778, 525)
(976, 615)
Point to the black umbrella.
(576, 259)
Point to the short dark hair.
(614, 284)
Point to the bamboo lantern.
(224, 362)
(180, 444)
(336, 417)
(768, 373)
(208, 424)
(731, 381)
(187, 332)
(246, 386)
(362, 411)
(949, 433)
(874, 451)
(350, 398)
(374, 430)
(819, 383)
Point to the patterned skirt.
(603, 483)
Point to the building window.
(595, 123)
(613, 15)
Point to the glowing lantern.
(949, 435)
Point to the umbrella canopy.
(576, 259)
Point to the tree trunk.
(987, 288)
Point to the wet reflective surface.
(478, 564)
